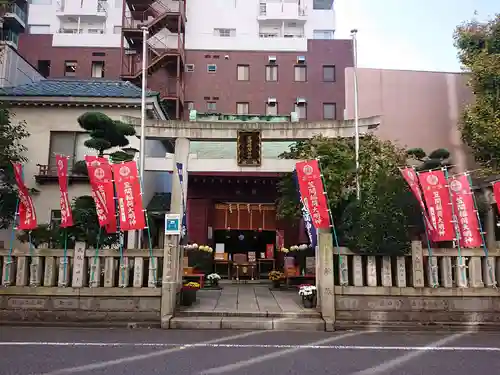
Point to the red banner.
(101, 182)
(62, 175)
(411, 178)
(437, 198)
(26, 210)
(312, 192)
(496, 193)
(465, 212)
(128, 192)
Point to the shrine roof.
(159, 204)
(66, 87)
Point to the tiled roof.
(96, 88)
(227, 150)
(159, 203)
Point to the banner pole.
(152, 265)
(332, 225)
(12, 239)
(461, 266)
(481, 232)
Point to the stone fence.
(353, 289)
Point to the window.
(41, 2)
(272, 109)
(243, 72)
(322, 4)
(43, 67)
(70, 144)
(242, 108)
(55, 218)
(117, 30)
(97, 69)
(190, 106)
(328, 73)
(189, 67)
(39, 29)
(225, 33)
(211, 106)
(323, 34)
(70, 68)
(301, 110)
(271, 73)
(329, 111)
(100, 54)
(211, 68)
(300, 73)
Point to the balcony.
(47, 174)
(9, 37)
(96, 9)
(282, 12)
(13, 16)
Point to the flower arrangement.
(195, 246)
(299, 247)
(213, 277)
(284, 250)
(191, 286)
(307, 291)
(276, 275)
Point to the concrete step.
(248, 314)
(248, 323)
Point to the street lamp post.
(142, 148)
(354, 33)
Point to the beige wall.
(40, 121)
(418, 109)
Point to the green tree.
(12, 134)
(478, 47)
(364, 225)
(436, 159)
(85, 228)
(105, 134)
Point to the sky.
(408, 34)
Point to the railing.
(81, 268)
(444, 269)
(45, 170)
(15, 9)
(100, 8)
(9, 36)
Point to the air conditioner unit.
(294, 117)
(301, 59)
(272, 59)
(301, 101)
(271, 101)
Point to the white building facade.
(253, 25)
(77, 23)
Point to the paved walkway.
(249, 300)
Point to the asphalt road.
(60, 351)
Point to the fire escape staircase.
(157, 17)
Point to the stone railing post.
(417, 261)
(79, 268)
(326, 290)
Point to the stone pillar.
(172, 275)
(326, 290)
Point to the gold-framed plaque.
(249, 151)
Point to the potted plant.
(309, 296)
(214, 278)
(276, 277)
(188, 293)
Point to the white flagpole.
(354, 33)
(142, 149)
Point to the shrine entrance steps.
(248, 307)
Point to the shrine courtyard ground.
(59, 351)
